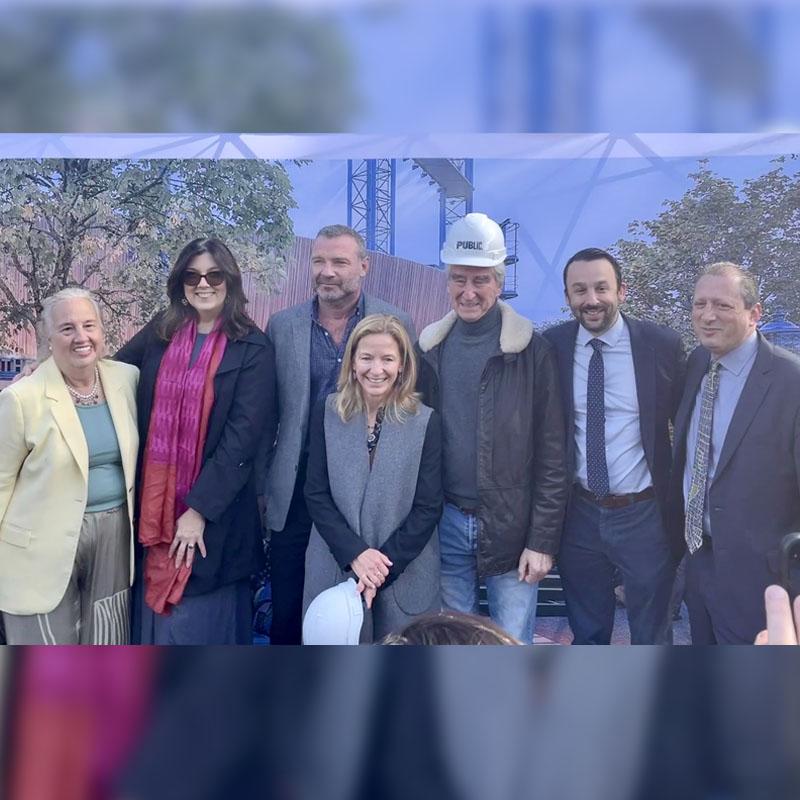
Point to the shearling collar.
(515, 331)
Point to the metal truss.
(371, 201)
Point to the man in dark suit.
(736, 459)
(309, 340)
(621, 381)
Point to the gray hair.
(70, 293)
(499, 272)
(748, 288)
(332, 231)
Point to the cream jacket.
(44, 468)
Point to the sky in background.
(562, 206)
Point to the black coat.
(660, 366)
(225, 489)
(522, 474)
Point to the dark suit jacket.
(225, 489)
(755, 495)
(660, 365)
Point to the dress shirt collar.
(738, 358)
(610, 338)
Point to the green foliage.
(756, 225)
(117, 226)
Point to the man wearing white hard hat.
(494, 382)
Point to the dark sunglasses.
(213, 278)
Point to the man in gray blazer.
(309, 340)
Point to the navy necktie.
(596, 466)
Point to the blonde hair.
(402, 398)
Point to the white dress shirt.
(627, 466)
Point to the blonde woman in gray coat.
(373, 485)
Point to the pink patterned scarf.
(173, 455)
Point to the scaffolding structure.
(371, 185)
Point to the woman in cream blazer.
(67, 467)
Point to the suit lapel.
(301, 337)
(65, 415)
(644, 370)
(118, 408)
(232, 357)
(753, 394)
(698, 366)
(567, 358)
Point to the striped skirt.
(95, 608)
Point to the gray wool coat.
(374, 503)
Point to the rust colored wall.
(418, 289)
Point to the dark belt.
(473, 512)
(615, 500)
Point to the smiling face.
(337, 269)
(376, 365)
(473, 291)
(76, 336)
(206, 299)
(593, 294)
(719, 317)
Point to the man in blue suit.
(621, 382)
(736, 459)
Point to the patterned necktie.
(596, 466)
(702, 451)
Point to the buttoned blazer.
(754, 497)
(659, 362)
(44, 480)
(290, 333)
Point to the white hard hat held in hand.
(334, 616)
(474, 241)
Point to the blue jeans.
(597, 541)
(512, 603)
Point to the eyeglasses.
(213, 278)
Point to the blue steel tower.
(370, 201)
(371, 185)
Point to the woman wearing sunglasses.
(206, 397)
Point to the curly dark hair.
(235, 321)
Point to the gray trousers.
(95, 608)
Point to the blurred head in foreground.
(451, 627)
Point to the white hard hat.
(474, 241)
(334, 616)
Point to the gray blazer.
(290, 333)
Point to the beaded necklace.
(87, 399)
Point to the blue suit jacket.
(755, 495)
(660, 365)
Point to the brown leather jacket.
(522, 473)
